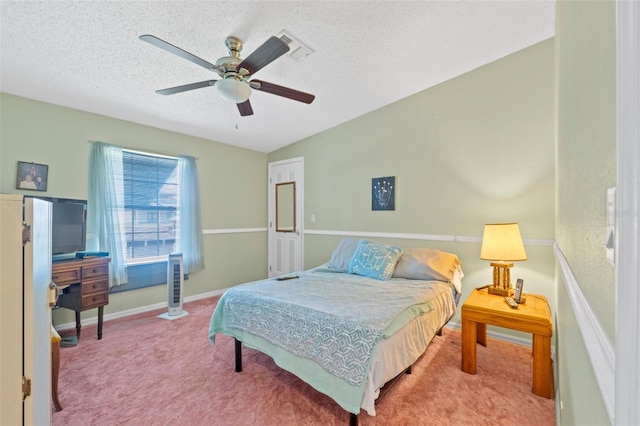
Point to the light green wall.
(476, 149)
(232, 184)
(585, 43)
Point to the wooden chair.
(55, 367)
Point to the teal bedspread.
(334, 320)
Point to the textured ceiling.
(367, 54)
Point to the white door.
(286, 227)
(37, 312)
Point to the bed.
(350, 326)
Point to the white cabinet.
(25, 315)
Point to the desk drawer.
(95, 271)
(95, 286)
(68, 276)
(95, 300)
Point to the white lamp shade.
(233, 90)
(502, 242)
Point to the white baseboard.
(139, 310)
(156, 306)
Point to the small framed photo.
(32, 176)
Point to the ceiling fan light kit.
(233, 90)
(235, 72)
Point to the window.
(150, 206)
(142, 207)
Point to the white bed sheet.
(394, 354)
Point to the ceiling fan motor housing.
(229, 63)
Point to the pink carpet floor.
(151, 371)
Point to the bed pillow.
(426, 264)
(341, 257)
(375, 260)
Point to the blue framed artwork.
(383, 193)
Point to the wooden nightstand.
(533, 317)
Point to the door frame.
(627, 254)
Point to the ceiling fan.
(235, 72)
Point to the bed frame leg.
(353, 419)
(238, 355)
(439, 333)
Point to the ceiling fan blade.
(177, 51)
(285, 92)
(245, 108)
(185, 87)
(270, 50)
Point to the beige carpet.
(150, 371)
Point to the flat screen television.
(68, 227)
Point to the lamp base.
(501, 279)
(498, 291)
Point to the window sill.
(146, 261)
(142, 275)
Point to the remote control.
(512, 303)
(288, 277)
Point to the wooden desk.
(85, 284)
(532, 317)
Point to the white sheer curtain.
(189, 216)
(105, 207)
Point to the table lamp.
(502, 243)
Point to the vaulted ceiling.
(363, 55)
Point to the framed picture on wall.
(32, 176)
(383, 193)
